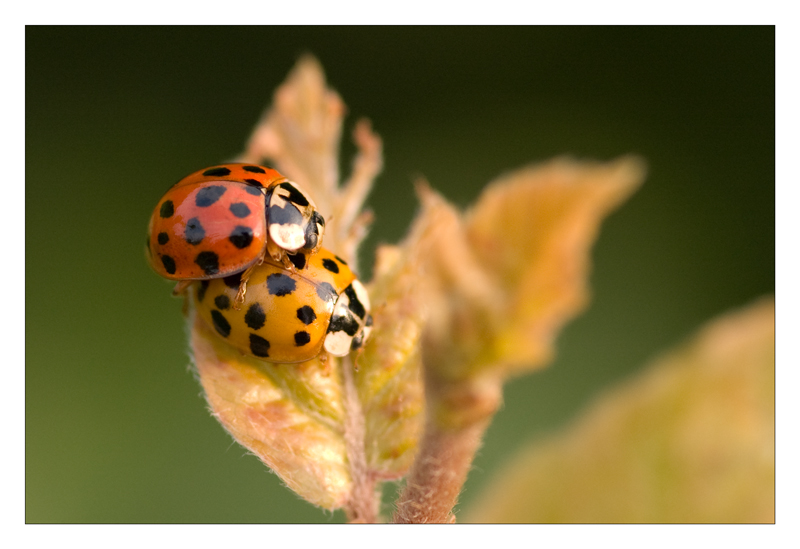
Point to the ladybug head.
(314, 232)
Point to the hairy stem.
(438, 474)
(364, 501)
(458, 414)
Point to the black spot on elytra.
(217, 171)
(206, 196)
(254, 186)
(295, 196)
(234, 280)
(279, 284)
(208, 261)
(194, 233)
(255, 317)
(253, 169)
(259, 346)
(340, 260)
(220, 323)
(285, 216)
(344, 323)
(301, 338)
(222, 302)
(169, 264)
(167, 209)
(298, 260)
(240, 209)
(326, 292)
(201, 291)
(241, 236)
(330, 265)
(306, 315)
(355, 305)
(163, 238)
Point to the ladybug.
(289, 315)
(226, 219)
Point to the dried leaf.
(691, 439)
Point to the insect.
(290, 315)
(226, 219)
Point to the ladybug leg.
(239, 299)
(274, 251)
(324, 361)
(288, 264)
(185, 306)
(181, 286)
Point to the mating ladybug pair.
(253, 239)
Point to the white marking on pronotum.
(361, 294)
(289, 237)
(338, 343)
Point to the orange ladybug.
(290, 316)
(226, 219)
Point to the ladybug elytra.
(289, 315)
(225, 219)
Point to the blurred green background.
(116, 428)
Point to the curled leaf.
(300, 133)
(512, 271)
(498, 284)
(532, 231)
(301, 130)
(691, 439)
